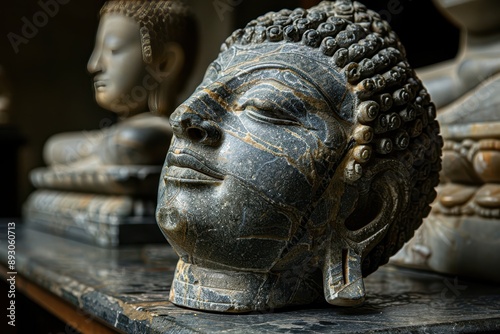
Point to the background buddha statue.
(462, 234)
(142, 58)
(144, 51)
(303, 161)
(477, 60)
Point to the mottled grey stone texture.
(304, 160)
(128, 288)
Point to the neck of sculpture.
(130, 114)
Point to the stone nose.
(188, 124)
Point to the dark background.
(52, 92)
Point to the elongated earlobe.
(172, 60)
(342, 277)
(375, 202)
(166, 72)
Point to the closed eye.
(270, 117)
(269, 112)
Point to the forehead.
(285, 61)
(119, 25)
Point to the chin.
(118, 108)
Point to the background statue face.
(252, 147)
(117, 66)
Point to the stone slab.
(112, 179)
(128, 288)
(103, 220)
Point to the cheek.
(285, 163)
(128, 73)
(231, 225)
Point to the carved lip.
(185, 167)
(99, 83)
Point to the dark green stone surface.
(128, 289)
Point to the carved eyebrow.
(267, 95)
(287, 93)
(115, 41)
(284, 66)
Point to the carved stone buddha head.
(143, 53)
(303, 161)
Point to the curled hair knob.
(311, 38)
(381, 124)
(338, 22)
(367, 67)
(384, 146)
(368, 111)
(352, 72)
(356, 52)
(362, 153)
(302, 25)
(393, 121)
(379, 82)
(402, 140)
(291, 33)
(316, 17)
(416, 128)
(385, 101)
(401, 96)
(346, 38)
(409, 113)
(431, 111)
(341, 57)
(329, 46)
(275, 33)
(259, 35)
(282, 21)
(366, 88)
(363, 134)
(327, 29)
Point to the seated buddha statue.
(144, 51)
(304, 160)
(461, 235)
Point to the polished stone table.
(126, 289)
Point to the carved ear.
(369, 206)
(172, 60)
(166, 72)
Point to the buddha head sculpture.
(303, 161)
(143, 53)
